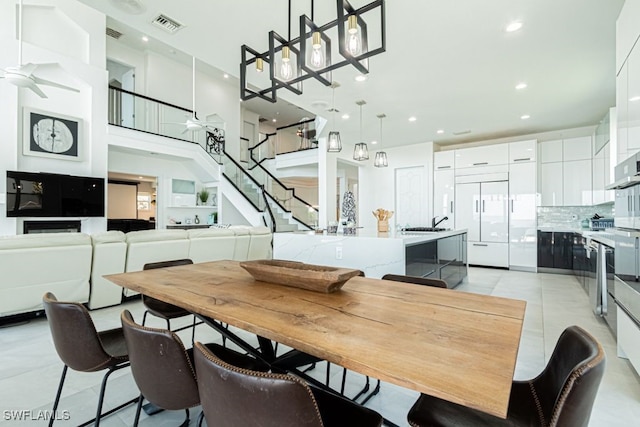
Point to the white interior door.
(467, 208)
(494, 219)
(410, 197)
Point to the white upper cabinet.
(487, 155)
(576, 148)
(551, 151)
(577, 189)
(550, 184)
(598, 177)
(522, 151)
(443, 160)
(633, 100)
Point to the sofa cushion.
(200, 233)
(42, 240)
(109, 256)
(32, 264)
(108, 237)
(211, 244)
(156, 235)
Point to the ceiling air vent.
(462, 132)
(262, 120)
(167, 24)
(113, 33)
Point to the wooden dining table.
(458, 346)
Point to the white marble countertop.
(408, 237)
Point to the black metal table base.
(289, 362)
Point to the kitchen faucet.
(434, 223)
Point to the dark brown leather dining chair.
(561, 396)
(233, 396)
(436, 283)
(162, 309)
(83, 349)
(163, 369)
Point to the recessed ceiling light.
(145, 38)
(273, 120)
(521, 86)
(440, 131)
(525, 116)
(140, 177)
(225, 75)
(514, 26)
(374, 142)
(412, 119)
(345, 116)
(361, 78)
(634, 99)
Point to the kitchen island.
(438, 255)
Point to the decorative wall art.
(48, 135)
(215, 141)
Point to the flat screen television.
(54, 195)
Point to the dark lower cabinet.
(445, 259)
(555, 250)
(545, 249)
(563, 250)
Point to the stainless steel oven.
(626, 232)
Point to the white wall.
(75, 40)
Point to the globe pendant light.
(360, 151)
(380, 160)
(334, 144)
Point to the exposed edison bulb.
(259, 65)
(316, 60)
(354, 43)
(286, 70)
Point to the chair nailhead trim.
(267, 375)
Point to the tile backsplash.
(570, 216)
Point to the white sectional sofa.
(32, 264)
(109, 257)
(71, 265)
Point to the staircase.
(282, 211)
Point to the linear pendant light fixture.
(360, 152)
(380, 160)
(291, 61)
(334, 144)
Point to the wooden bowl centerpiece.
(318, 278)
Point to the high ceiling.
(448, 63)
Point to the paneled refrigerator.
(482, 208)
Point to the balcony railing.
(287, 139)
(142, 113)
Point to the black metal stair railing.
(285, 197)
(145, 114)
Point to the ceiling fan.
(22, 75)
(193, 123)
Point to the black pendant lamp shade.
(360, 152)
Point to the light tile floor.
(30, 368)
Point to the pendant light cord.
(333, 107)
(361, 123)
(20, 34)
(289, 21)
